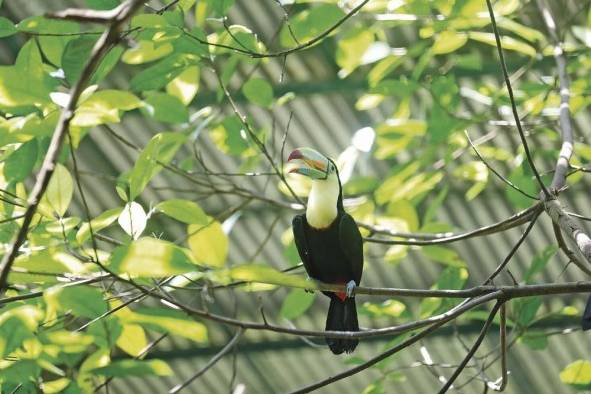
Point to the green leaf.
(102, 4)
(166, 108)
(208, 243)
(258, 91)
(539, 262)
(296, 303)
(104, 107)
(7, 28)
(103, 220)
(82, 301)
(76, 55)
(160, 150)
(577, 374)
(17, 325)
(267, 274)
(151, 258)
(20, 372)
(310, 23)
(59, 190)
(169, 321)
(230, 137)
(161, 73)
(185, 85)
(525, 310)
(46, 261)
(20, 163)
(16, 91)
(184, 211)
(444, 255)
(126, 368)
(535, 339)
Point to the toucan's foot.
(309, 290)
(351, 288)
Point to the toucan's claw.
(351, 288)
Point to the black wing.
(298, 225)
(352, 245)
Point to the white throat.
(322, 202)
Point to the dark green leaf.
(539, 262)
(161, 73)
(7, 28)
(21, 162)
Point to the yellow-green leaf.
(103, 220)
(169, 321)
(267, 274)
(185, 85)
(509, 43)
(184, 211)
(151, 258)
(208, 243)
(448, 41)
(296, 303)
(60, 190)
(577, 374)
(146, 51)
(132, 339)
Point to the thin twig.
(229, 346)
(499, 175)
(530, 159)
(473, 349)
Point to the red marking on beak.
(296, 154)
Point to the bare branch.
(441, 238)
(473, 349)
(225, 350)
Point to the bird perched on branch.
(329, 243)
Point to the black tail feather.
(342, 316)
(586, 320)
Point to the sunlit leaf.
(267, 274)
(151, 258)
(132, 340)
(184, 211)
(208, 243)
(146, 51)
(126, 368)
(185, 85)
(103, 220)
(133, 219)
(577, 374)
(509, 43)
(170, 321)
(59, 190)
(448, 41)
(310, 23)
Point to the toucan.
(329, 242)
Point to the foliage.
(187, 66)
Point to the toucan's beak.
(309, 162)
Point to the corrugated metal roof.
(324, 116)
